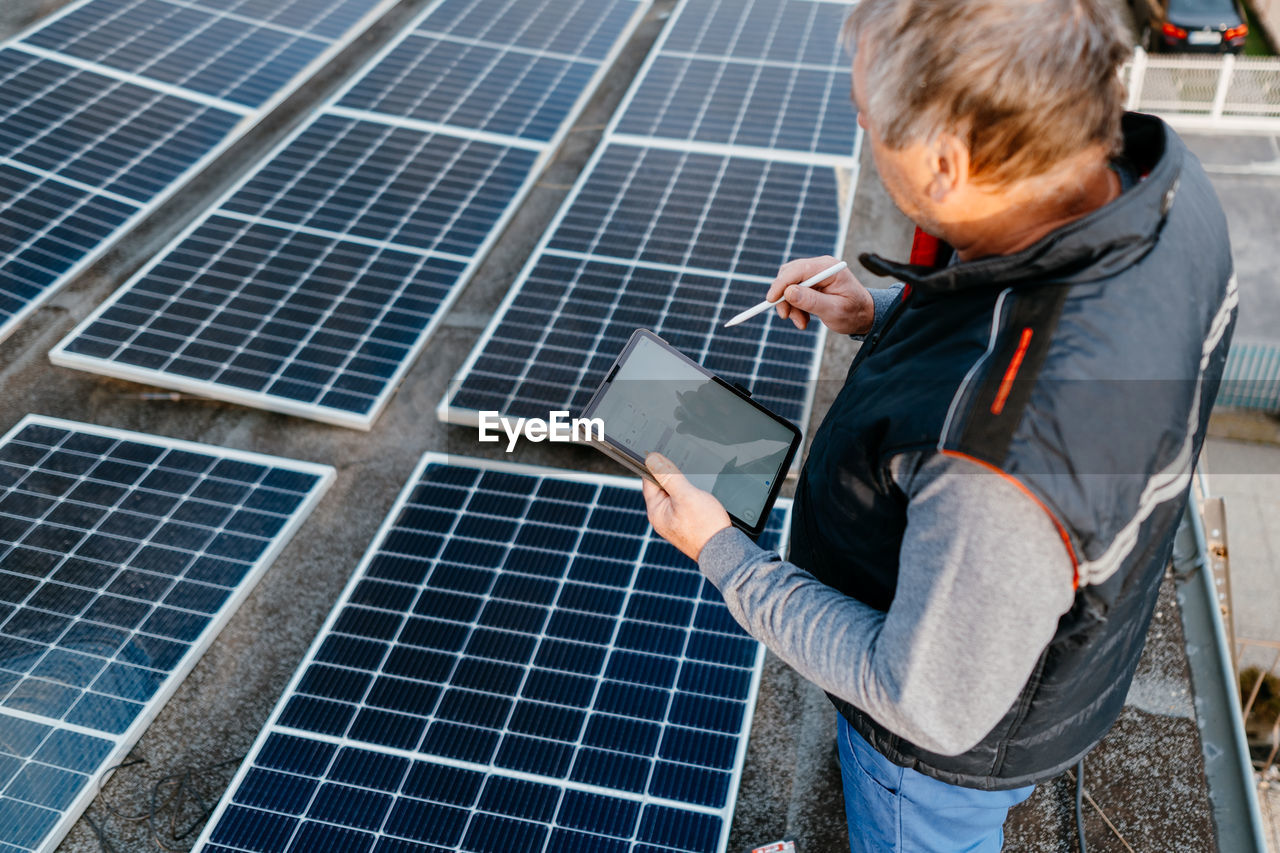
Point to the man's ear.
(948, 164)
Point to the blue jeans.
(892, 809)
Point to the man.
(985, 514)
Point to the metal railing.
(1204, 596)
(1223, 92)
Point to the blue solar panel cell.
(594, 306)
(46, 227)
(365, 179)
(530, 710)
(699, 210)
(306, 317)
(236, 59)
(26, 824)
(580, 28)
(793, 107)
(789, 31)
(672, 829)
(473, 85)
(45, 786)
(329, 19)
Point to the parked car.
(1190, 26)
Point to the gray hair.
(1026, 83)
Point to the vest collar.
(1095, 246)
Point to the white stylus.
(766, 305)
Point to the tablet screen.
(722, 442)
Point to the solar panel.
(427, 191)
(45, 228)
(314, 282)
(121, 557)
(327, 323)
(328, 19)
(241, 60)
(580, 28)
(474, 85)
(518, 664)
(110, 105)
(705, 212)
(570, 318)
(122, 139)
(792, 31)
(743, 103)
(733, 152)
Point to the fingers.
(839, 301)
(665, 472)
(810, 300)
(681, 513)
(788, 311)
(657, 505)
(794, 272)
(655, 499)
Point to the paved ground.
(16, 15)
(1247, 477)
(1245, 171)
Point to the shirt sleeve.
(883, 299)
(983, 579)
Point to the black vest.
(1084, 369)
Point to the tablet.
(656, 398)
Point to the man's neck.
(1010, 220)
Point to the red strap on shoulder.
(924, 253)
(924, 249)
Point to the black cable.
(1079, 801)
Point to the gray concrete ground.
(1247, 477)
(16, 15)
(1145, 780)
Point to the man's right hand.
(840, 302)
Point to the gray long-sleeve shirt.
(983, 579)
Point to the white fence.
(1223, 92)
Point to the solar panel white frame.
(448, 412)
(196, 650)
(433, 457)
(252, 119)
(61, 356)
